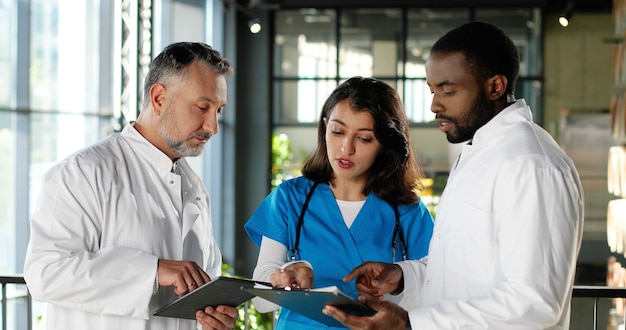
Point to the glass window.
(290, 147)
(417, 99)
(523, 26)
(7, 143)
(305, 43)
(64, 79)
(313, 52)
(7, 196)
(6, 67)
(64, 55)
(59, 72)
(57, 136)
(424, 27)
(300, 101)
(59, 113)
(369, 42)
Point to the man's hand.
(374, 279)
(184, 276)
(220, 318)
(389, 316)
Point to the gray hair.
(175, 58)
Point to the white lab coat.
(104, 217)
(507, 234)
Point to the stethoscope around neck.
(294, 254)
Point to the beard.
(481, 112)
(167, 130)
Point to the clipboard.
(222, 290)
(310, 302)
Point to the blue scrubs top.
(328, 244)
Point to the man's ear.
(158, 94)
(496, 87)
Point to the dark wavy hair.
(488, 51)
(395, 175)
(176, 58)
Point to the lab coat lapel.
(194, 198)
(192, 208)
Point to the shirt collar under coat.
(161, 163)
(499, 125)
(152, 155)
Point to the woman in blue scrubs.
(356, 201)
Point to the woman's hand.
(297, 274)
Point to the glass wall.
(305, 57)
(316, 49)
(64, 103)
(7, 139)
(64, 83)
(52, 103)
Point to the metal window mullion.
(105, 76)
(595, 313)
(338, 13)
(127, 79)
(21, 102)
(145, 45)
(4, 306)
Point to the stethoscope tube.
(293, 254)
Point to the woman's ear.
(496, 87)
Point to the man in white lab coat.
(510, 220)
(124, 226)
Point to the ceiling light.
(254, 25)
(566, 15)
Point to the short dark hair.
(175, 58)
(487, 50)
(394, 176)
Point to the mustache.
(444, 117)
(202, 135)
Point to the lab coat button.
(427, 282)
(172, 182)
(198, 199)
